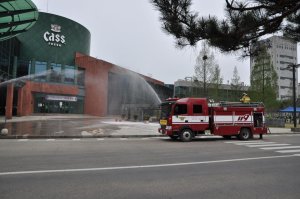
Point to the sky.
(128, 34)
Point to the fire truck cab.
(188, 117)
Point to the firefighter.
(245, 98)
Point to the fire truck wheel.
(245, 134)
(186, 135)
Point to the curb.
(9, 137)
(76, 136)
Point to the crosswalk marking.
(266, 145)
(280, 147)
(255, 143)
(289, 151)
(244, 142)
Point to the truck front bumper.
(166, 131)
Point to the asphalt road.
(150, 168)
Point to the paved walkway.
(51, 126)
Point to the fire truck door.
(258, 119)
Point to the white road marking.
(48, 140)
(266, 145)
(123, 138)
(289, 151)
(144, 166)
(291, 135)
(75, 139)
(255, 143)
(283, 147)
(100, 139)
(246, 142)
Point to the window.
(80, 76)
(69, 74)
(40, 71)
(180, 109)
(197, 108)
(55, 73)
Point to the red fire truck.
(188, 117)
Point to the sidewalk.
(276, 130)
(79, 126)
(75, 126)
(41, 117)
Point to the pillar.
(9, 101)
(20, 102)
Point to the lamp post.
(294, 66)
(204, 77)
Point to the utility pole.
(294, 66)
(263, 86)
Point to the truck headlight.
(169, 127)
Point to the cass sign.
(55, 38)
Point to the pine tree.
(245, 22)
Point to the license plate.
(163, 122)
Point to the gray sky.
(128, 33)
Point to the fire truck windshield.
(166, 108)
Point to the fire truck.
(186, 118)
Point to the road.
(150, 168)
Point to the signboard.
(54, 37)
(61, 98)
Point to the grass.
(291, 125)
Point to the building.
(16, 17)
(283, 52)
(50, 70)
(225, 92)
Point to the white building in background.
(283, 52)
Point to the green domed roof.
(16, 16)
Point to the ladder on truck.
(240, 104)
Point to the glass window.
(55, 73)
(80, 76)
(180, 109)
(40, 71)
(69, 74)
(197, 108)
(23, 68)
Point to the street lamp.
(204, 58)
(294, 66)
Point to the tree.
(263, 79)
(205, 64)
(235, 84)
(216, 82)
(245, 22)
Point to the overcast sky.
(128, 33)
